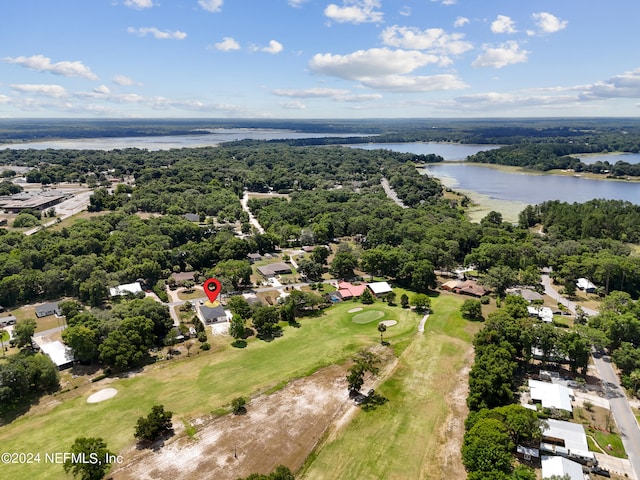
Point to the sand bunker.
(354, 310)
(101, 395)
(389, 323)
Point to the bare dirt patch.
(449, 455)
(281, 428)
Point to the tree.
(235, 271)
(265, 321)
(364, 361)
(382, 328)
(310, 269)
(23, 332)
(238, 405)
(487, 447)
(343, 264)
(239, 306)
(404, 300)
(421, 301)
(236, 327)
(157, 423)
(128, 344)
(390, 298)
(500, 278)
(90, 458)
(471, 309)
(367, 297)
(320, 254)
(83, 341)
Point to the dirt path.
(281, 428)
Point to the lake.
(166, 142)
(448, 151)
(612, 158)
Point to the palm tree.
(382, 328)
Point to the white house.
(560, 466)
(551, 395)
(59, 353)
(132, 288)
(566, 439)
(585, 285)
(379, 288)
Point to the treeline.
(552, 156)
(612, 219)
(26, 375)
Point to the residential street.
(620, 408)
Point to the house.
(273, 269)
(471, 288)
(379, 289)
(347, 290)
(209, 315)
(254, 257)
(545, 314)
(192, 217)
(560, 467)
(450, 285)
(585, 285)
(526, 293)
(59, 354)
(551, 395)
(132, 288)
(182, 277)
(567, 440)
(47, 309)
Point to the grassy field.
(407, 437)
(193, 387)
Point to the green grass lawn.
(401, 439)
(195, 386)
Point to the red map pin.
(212, 288)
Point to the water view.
(448, 151)
(612, 158)
(166, 142)
(531, 188)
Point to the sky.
(319, 58)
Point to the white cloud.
(503, 24)
(339, 95)
(405, 11)
(54, 91)
(213, 6)
(43, 64)
(415, 83)
(297, 3)
(311, 92)
(102, 90)
(446, 2)
(435, 40)
(158, 34)
(227, 44)
(355, 11)
(548, 23)
(497, 57)
(273, 48)
(461, 22)
(626, 85)
(370, 63)
(139, 4)
(124, 81)
(293, 105)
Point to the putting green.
(367, 316)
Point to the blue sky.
(319, 58)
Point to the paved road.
(252, 220)
(622, 413)
(391, 193)
(551, 292)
